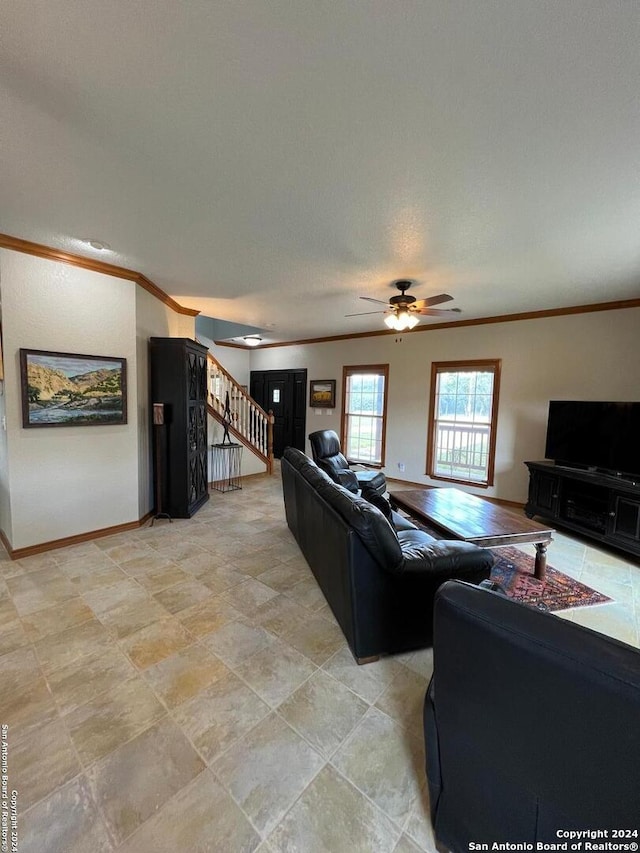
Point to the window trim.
(351, 370)
(495, 364)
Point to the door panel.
(276, 397)
(283, 392)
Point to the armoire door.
(178, 369)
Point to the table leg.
(540, 567)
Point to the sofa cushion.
(378, 536)
(442, 557)
(401, 523)
(306, 467)
(375, 498)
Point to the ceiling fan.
(403, 310)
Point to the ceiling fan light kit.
(401, 320)
(404, 310)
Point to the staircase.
(250, 424)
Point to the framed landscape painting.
(64, 389)
(322, 393)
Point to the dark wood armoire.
(179, 381)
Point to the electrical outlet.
(401, 467)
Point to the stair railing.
(249, 421)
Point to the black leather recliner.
(531, 724)
(326, 453)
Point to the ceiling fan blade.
(362, 313)
(369, 299)
(439, 312)
(433, 300)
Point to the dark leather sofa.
(379, 578)
(532, 725)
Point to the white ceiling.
(269, 161)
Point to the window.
(462, 421)
(364, 412)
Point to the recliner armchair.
(326, 453)
(531, 724)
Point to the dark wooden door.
(284, 393)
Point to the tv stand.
(603, 506)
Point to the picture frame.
(322, 393)
(69, 389)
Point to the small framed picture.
(322, 393)
(65, 389)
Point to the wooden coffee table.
(473, 519)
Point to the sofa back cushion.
(377, 535)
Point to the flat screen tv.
(594, 435)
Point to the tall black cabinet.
(179, 381)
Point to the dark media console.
(600, 505)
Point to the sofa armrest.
(432, 751)
(442, 557)
(400, 522)
(349, 480)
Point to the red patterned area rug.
(513, 570)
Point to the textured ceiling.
(269, 162)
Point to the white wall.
(235, 361)
(583, 356)
(65, 481)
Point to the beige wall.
(584, 356)
(66, 481)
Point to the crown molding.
(455, 324)
(38, 249)
(41, 251)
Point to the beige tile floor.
(185, 688)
